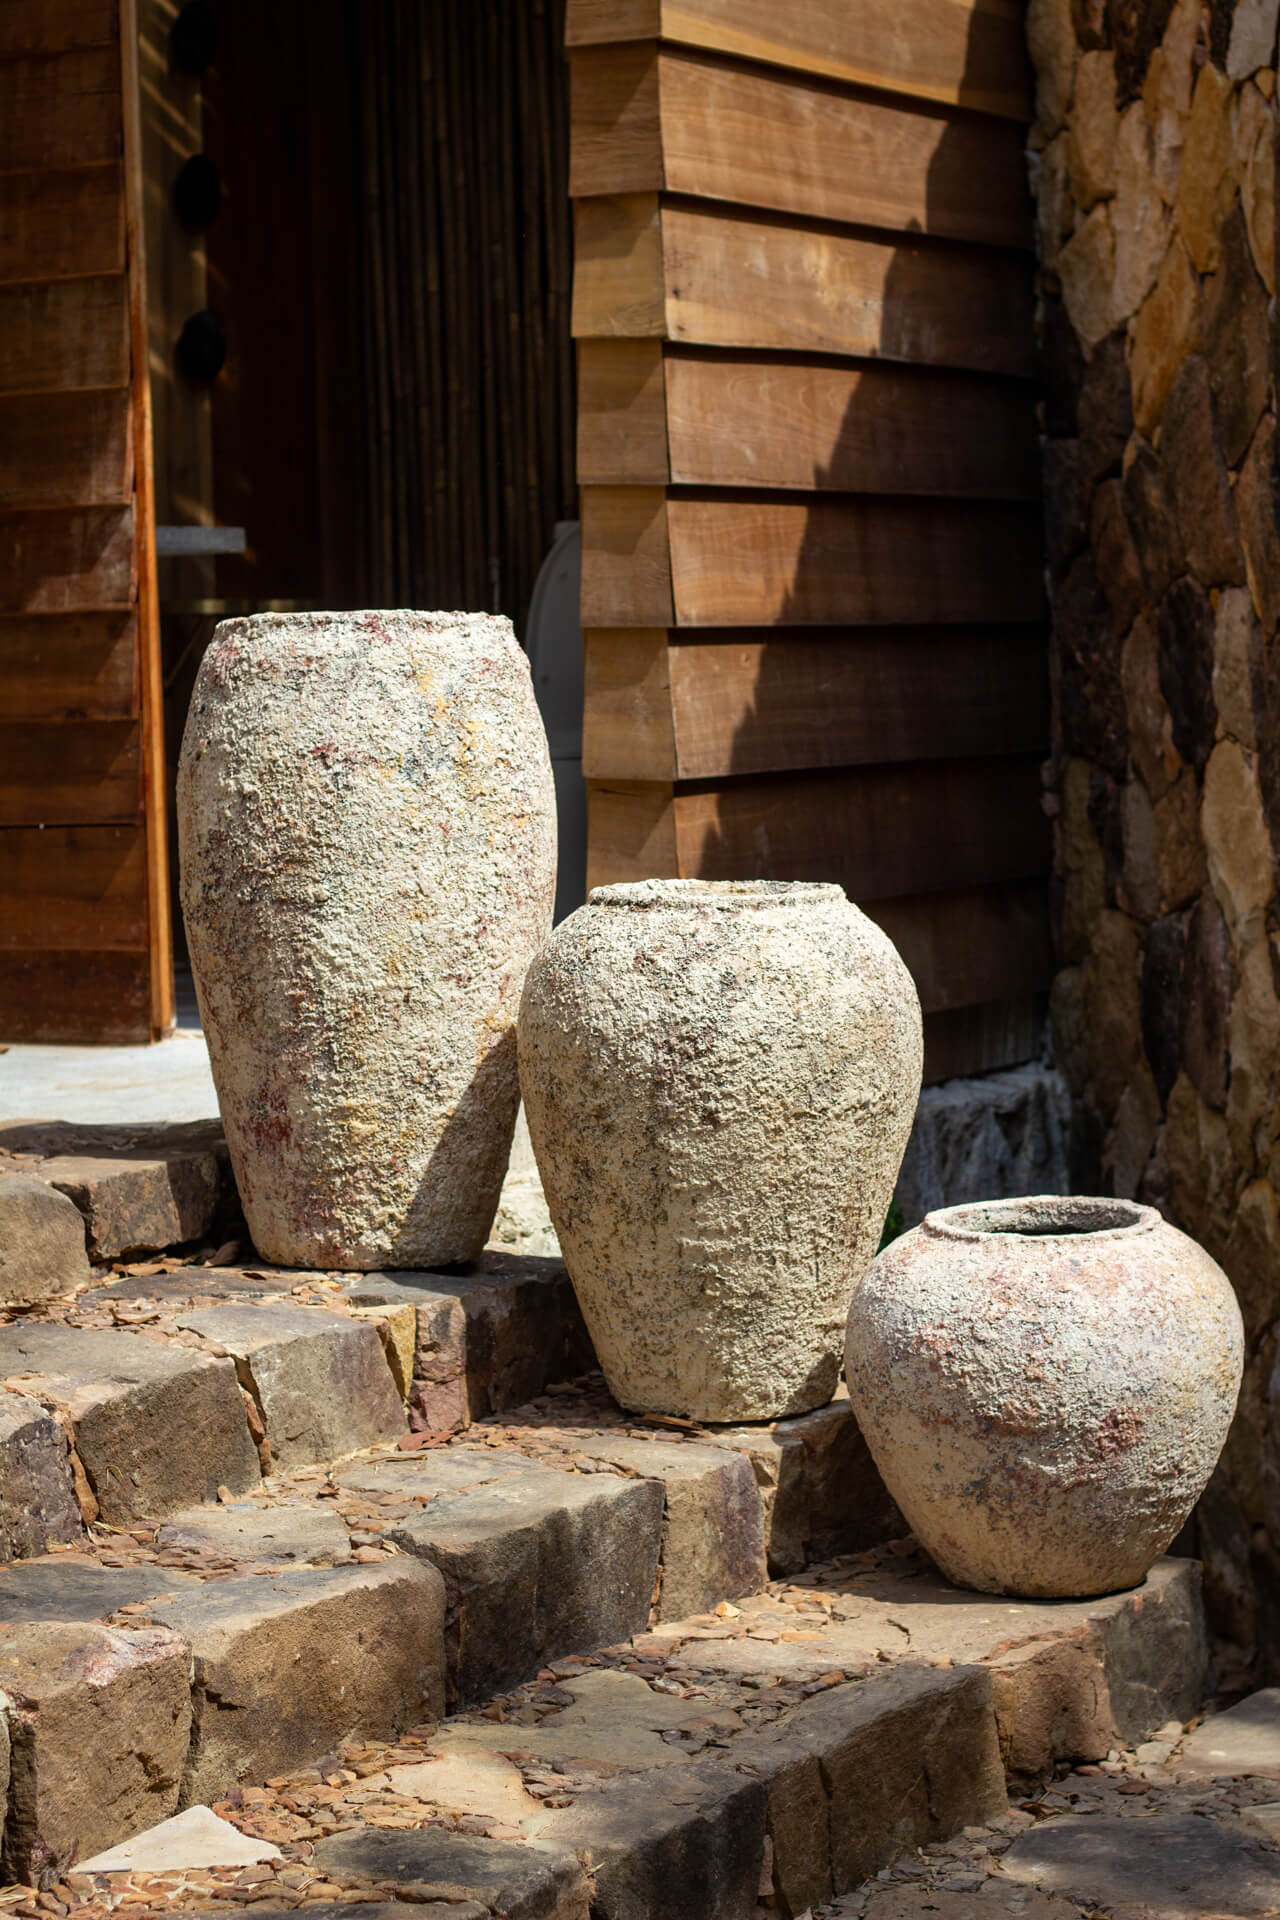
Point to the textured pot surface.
(367, 832)
(720, 1080)
(1045, 1386)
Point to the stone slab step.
(138, 1189)
(145, 1694)
(673, 1775)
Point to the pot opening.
(1044, 1216)
(716, 893)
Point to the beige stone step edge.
(902, 1750)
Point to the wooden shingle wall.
(83, 916)
(812, 586)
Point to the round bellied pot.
(720, 1078)
(367, 830)
(1045, 1386)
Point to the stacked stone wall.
(1153, 162)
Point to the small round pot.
(720, 1078)
(366, 821)
(1045, 1385)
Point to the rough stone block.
(156, 1426)
(67, 1588)
(986, 1139)
(690, 1841)
(288, 1665)
(489, 1337)
(1244, 1739)
(99, 1725)
(909, 1758)
(42, 1244)
(537, 1565)
(520, 1883)
(320, 1380)
(819, 1486)
(139, 1188)
(260, 1533)
(1173, 1865)
(38, 1505)
(713, 1523)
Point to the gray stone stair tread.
(321, 1380)
(294, 1662)
(191, 1286)
(258, 1533)
(492, 1269)
(38, 1504)
(1244, 1739)
(538, 1565)
(157, 1425)
(443, 1470)
(100, 1726)
(42, 1241)
(139, 1189)
(1175, 1864)
(518, 1882)
(65, 1589)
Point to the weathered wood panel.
(63, 335)
(631, 832)
(980, 944)
(776, 700)
(66, 562)
(973, 55)
(881, 832)
(73, 773)
(54, 226)
(73, 887)
(627, 731)
(750, 560)
(69, 667)
(55, 26)
(622, 413)
(81, 998)
(60, 109)
(646, 119)
(66, 449)
(979, 1039)
(619, 289)
(712, 419)
(715, 276)
(626, 558)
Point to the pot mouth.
(1046, 1216)
(730, 895)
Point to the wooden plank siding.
(812, 589)
(82, 946)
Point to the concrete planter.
(719, 1081)
(367, 830)
(1045, 1386)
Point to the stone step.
(138, 1189)
(782, 1749)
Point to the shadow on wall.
(885, 727)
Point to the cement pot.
(719, 1079)
(1045, 1386)
(367, 829)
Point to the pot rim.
(1065, 1218)
(726, 896)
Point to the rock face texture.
(1154, 157)
(1045, 1386)
(719, 1079)
(42, 1248)
(367, 832)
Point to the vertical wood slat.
(151, 681)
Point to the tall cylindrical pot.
(367, 831)
(1045, 1385)
(720, 1079)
